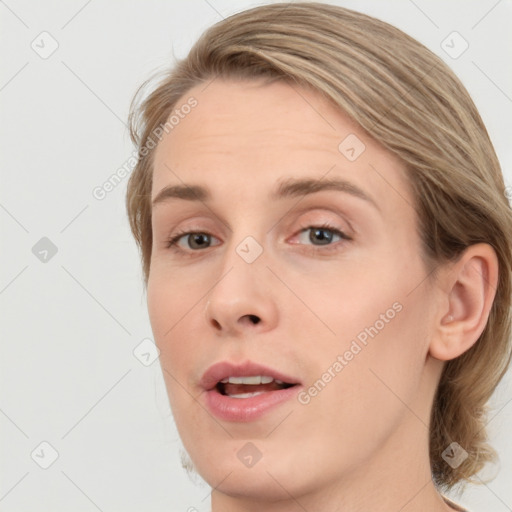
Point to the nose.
(242, 302)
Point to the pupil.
(321, 236)
(198, 240)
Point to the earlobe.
(469, 287)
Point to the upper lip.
(218, 371)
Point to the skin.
(362, 442)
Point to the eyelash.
(172, 243)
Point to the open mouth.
(246, 392)
(247, 387)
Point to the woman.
(326, 243)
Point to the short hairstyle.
(404, 97)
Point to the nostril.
(254, 319)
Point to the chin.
(264, 480)
(255, 484)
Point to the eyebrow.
(292, 187)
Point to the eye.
(317, 236)
(191, 240)
(321, 235)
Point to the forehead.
(248, 111)
(246, 135)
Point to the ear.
(468, 290)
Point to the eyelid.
(315, 211)
(310, 219)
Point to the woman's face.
(306, 261)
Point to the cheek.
(177, 321)
(380, 340)
(379, 384)
(170, 301)
(160, 303)
(168, 307)
(384, 358)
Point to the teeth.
(254, 379)
(246, 395)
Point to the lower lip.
(247, 409)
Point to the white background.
(69, 325)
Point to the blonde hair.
(409, 101)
